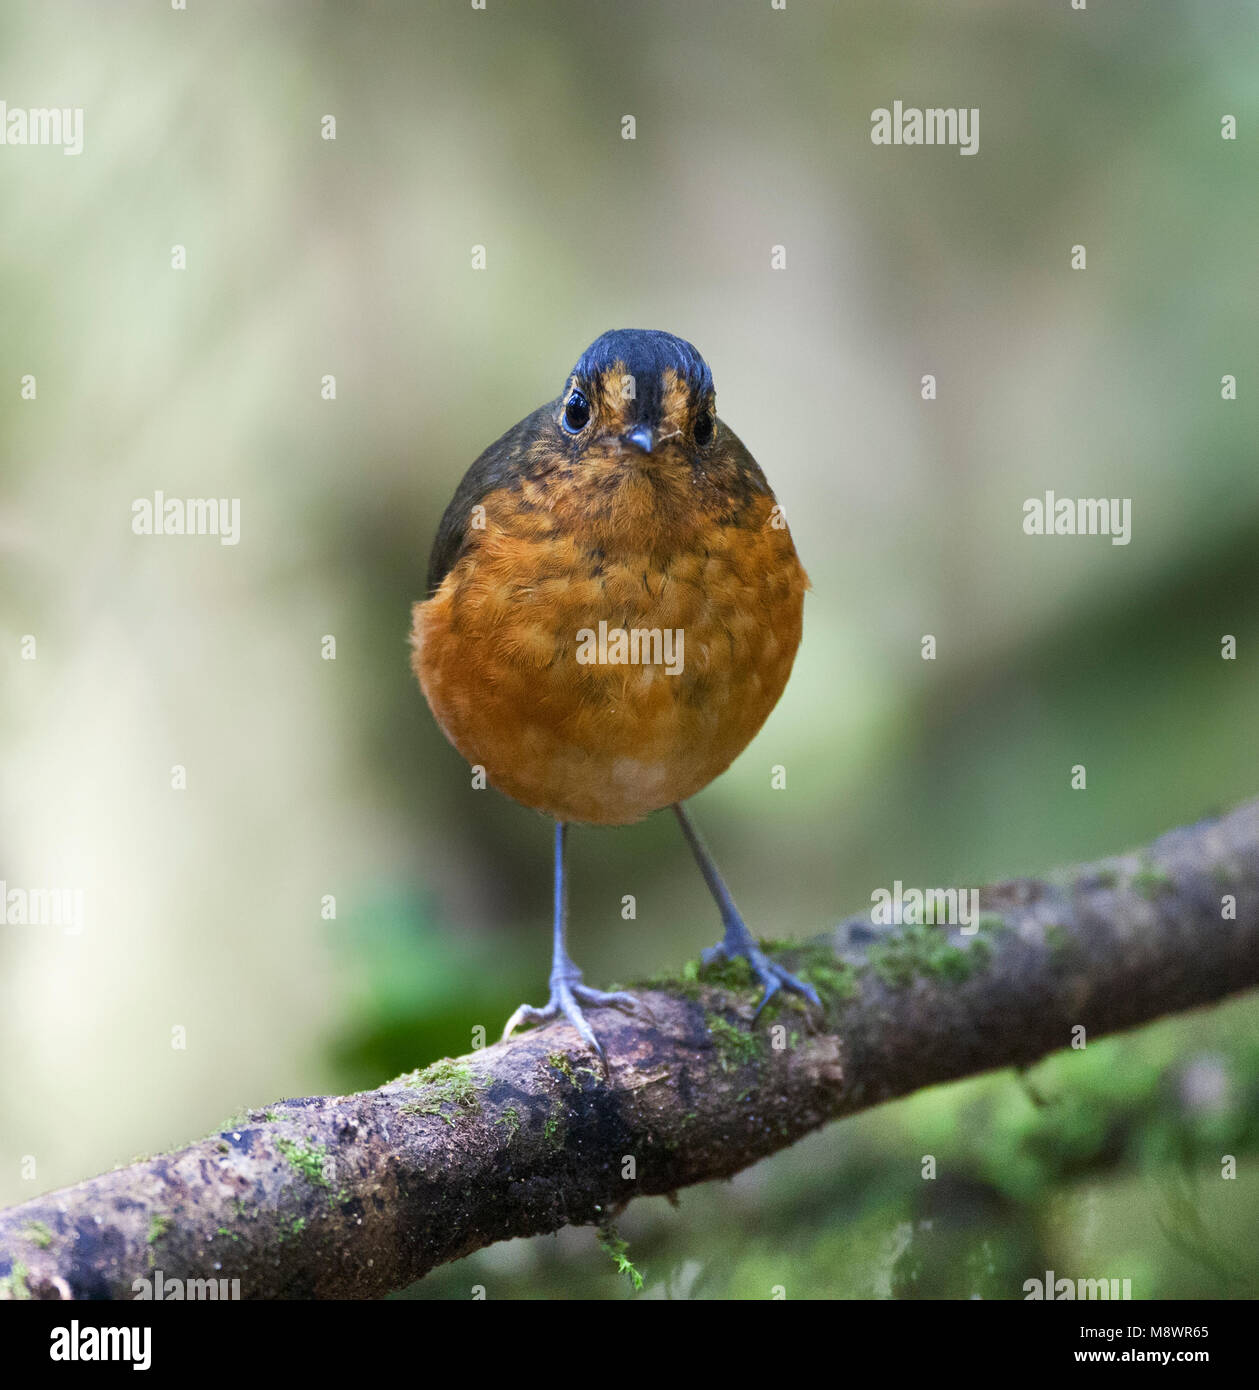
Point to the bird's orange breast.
(705, 585)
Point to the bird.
(614, 604)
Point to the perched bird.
(614, 605)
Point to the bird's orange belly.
(570, 718)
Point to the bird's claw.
(772, 975)
(568, 994)
(713, 955)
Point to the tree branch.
(352, 1196)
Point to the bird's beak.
(641, 437)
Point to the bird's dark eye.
(704, 427)
(576, 413)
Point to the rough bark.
(352, 1196)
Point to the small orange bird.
(614, 608)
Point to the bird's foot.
(767, 971)
(568, 994)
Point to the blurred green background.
(306, 777)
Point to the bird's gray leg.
(567, 991)
(738, 941)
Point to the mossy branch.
(352, 1196)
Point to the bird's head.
(640, 393)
